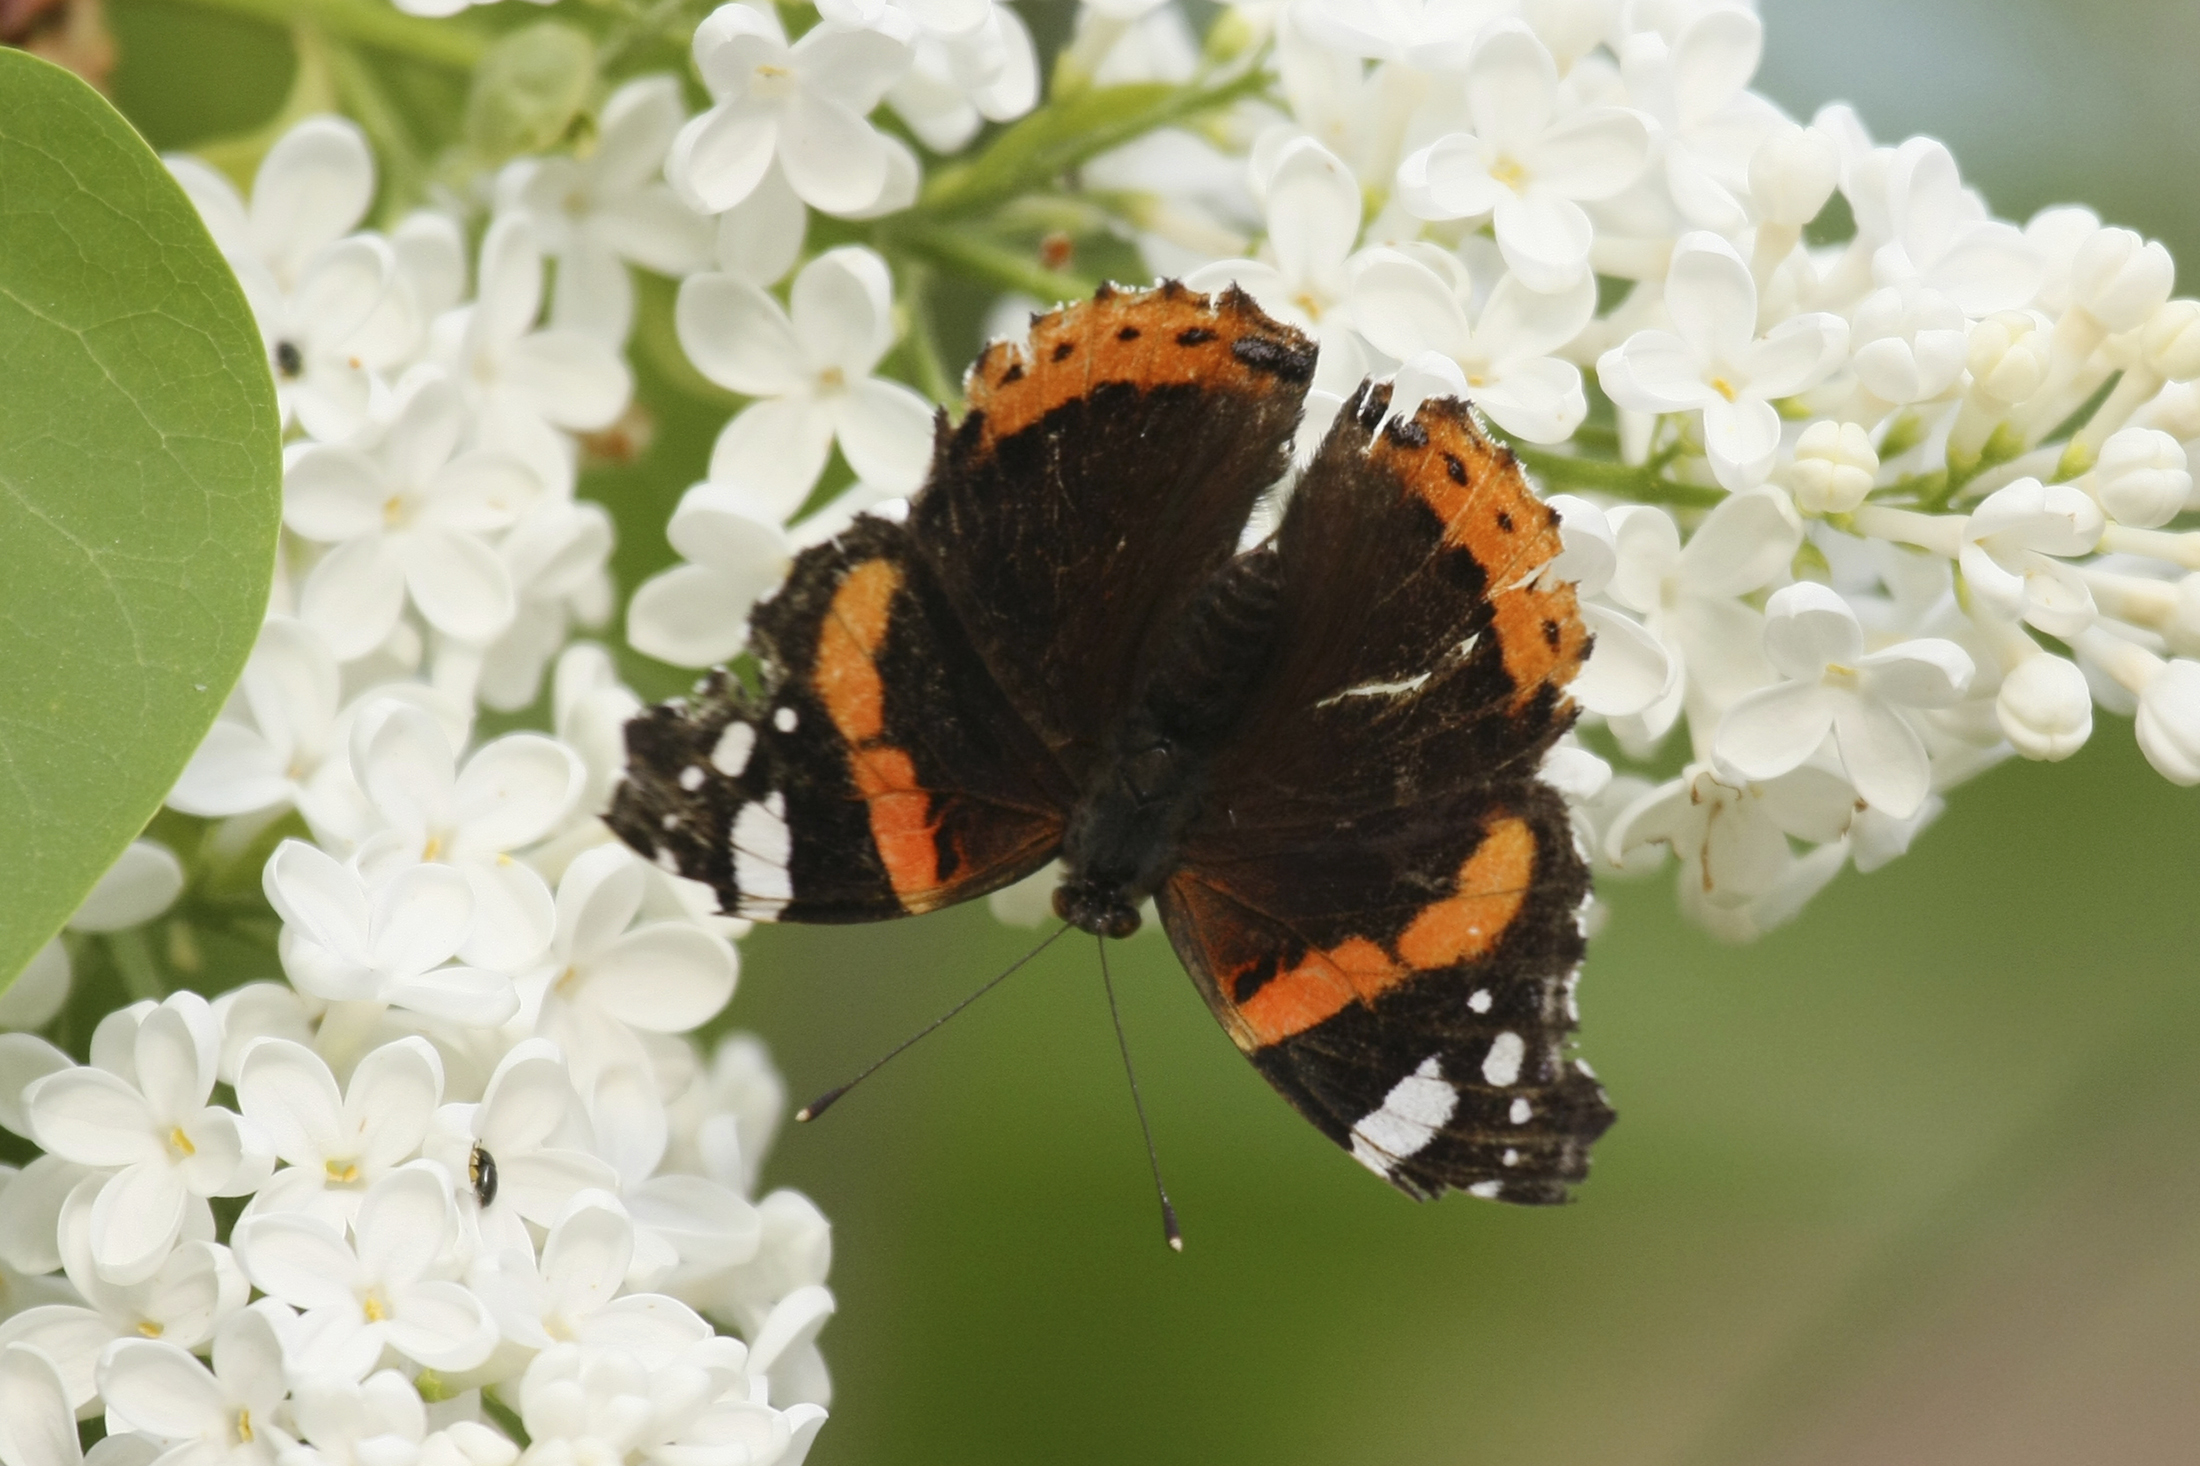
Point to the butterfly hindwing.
(875, 773)
(1100, 478)
(1380, 896)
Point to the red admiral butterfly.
(1318, 756)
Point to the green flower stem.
(1623, 480)
(404, 175)
(133, 958)
(1030, 156)
(1940, 533)
(373, 23)
(993, 263)
(922, 345)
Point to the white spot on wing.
(731, 756)
(786, 720)
(1512, 1157)
(692, 777)
(761, 847)
(1487, 1190)
(1501, 1066)
(1377, 689)
(1522, 1111)
(1416, 1108)
(1480, 1002)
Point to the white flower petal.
(1772, 730)
(422, 915)
(885, 431)
(695, 615)
(832, 157)
(841, 306)
(738, 336)
(1883, 755)
(666, 978)
(514, 916)
(287, 1090)
(460, 585)
(774, 451)
(573, 379)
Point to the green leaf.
(140, 489)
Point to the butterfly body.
(1319, 756)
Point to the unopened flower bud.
(2175, 410)
(2120, 279)
(1792, 174)
(1834, 467)
(2171, 340)
(528, 89)
(2008, 357)
(2045, 708)
(2141, 479)
(2168, 722)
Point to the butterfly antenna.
(818, 1106)
(1169, 1228)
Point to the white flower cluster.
(460, 1191)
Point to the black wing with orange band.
(933, 694)
(1381, 898)
(879, 771)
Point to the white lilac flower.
(963, 73)
(536, 1129)
(2044, 706)
(1714, 360)
(605, 977)
(1739, 875)
(1503, 361)
(1527, 164)
(310, 288)
(378, 1421)
(140, 1112)
(2011, 554)
(697, 613)
(577, 1293)
(335, 1145)
(510, 794)
(811, 367)
(526, 386)
(386, 1286)
(223, 1415)
(348, 942)
(1813, 639)
(194, 1290)
(408, 519)
(1629, 669)
(1689, 596)
(803, 106)
(597, 213)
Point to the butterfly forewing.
(1380, 897)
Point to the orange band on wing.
(847, 681)
(1492, 886)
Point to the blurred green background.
(1913, 1180)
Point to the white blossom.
(1813, 638)
(1716, 362)
(802, 106)
(811, 367)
